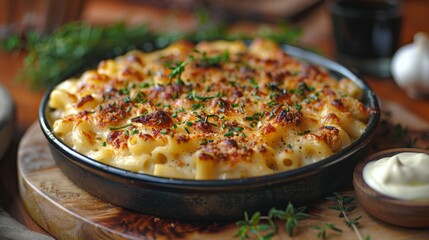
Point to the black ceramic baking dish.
(217, 199)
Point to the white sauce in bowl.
(403, 176)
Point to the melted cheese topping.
(215, 110)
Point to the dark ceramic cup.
(366, 33)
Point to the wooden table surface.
(317, 33)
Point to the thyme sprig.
(254, 226)
(399, 134)
(345, 205)
(322, 230)
(290, 215)
(264, 227)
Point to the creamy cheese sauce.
(403, 176)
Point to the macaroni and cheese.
(214, 110)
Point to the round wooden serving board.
(67, 212)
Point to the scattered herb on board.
(76, 47)
(397, 135)
(322, 230)
(254, 226)
(264, 227)
(290, 215)
(345, 205)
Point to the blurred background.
(44, 16)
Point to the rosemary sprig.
(345, 204)
(74, 48)
(322, 230)
(267, 230)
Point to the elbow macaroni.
(215, 110)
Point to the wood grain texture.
(67, 212)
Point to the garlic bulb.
(410, 67)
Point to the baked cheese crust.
(214, 110)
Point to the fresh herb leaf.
(212, 61)
(344, 206)
(253, 227)
(73, 48)
(322, 230)
(120, 127)
(177, 71)
(76, 47)
(290, 215)
(203, 98)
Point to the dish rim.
(302, 54)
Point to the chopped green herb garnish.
(253, 82)
(297, 106)
(196, 106)
(238, 129)
(303, 133)
(144, 85)
(214, 61)
(120, 127)
(273, 87)
(273, 103)
(229, 134)
(203, 98)
(177, 71)
(139, 98)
